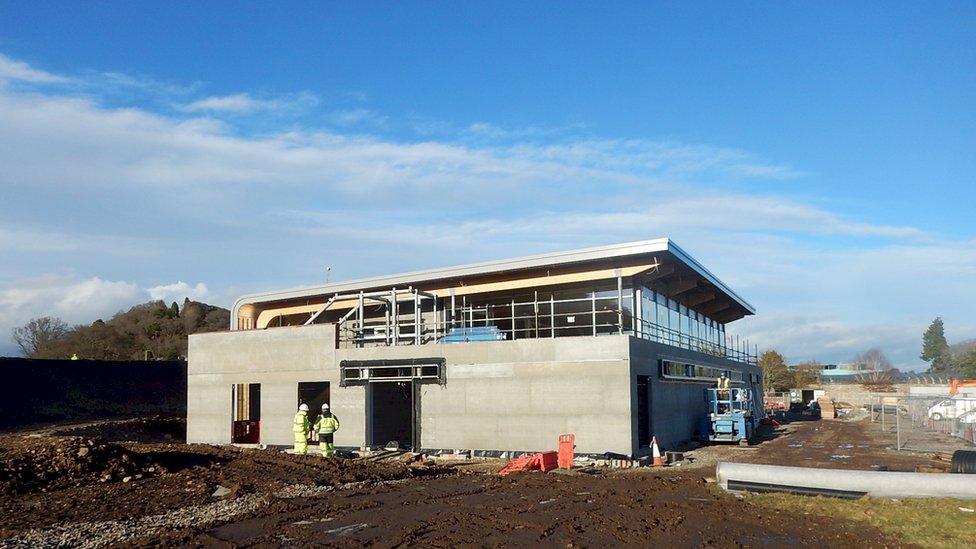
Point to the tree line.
(874, 367)
(150, 330)
(949, 360)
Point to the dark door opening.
(246, 413)
(392, 414)
(315, 394)
(643, 412)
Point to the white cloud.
(828, 284)
(234, 103)
(832, 339)
(352, 117)
(12, 69)
(78, 301)
(74, 301)
(41, 241)
(178, 291)
(242, 102)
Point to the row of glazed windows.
(681, 370)
(659, 310)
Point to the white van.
(952, 408)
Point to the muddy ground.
(84, 486)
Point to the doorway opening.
(643, 412)
(315, 394)
(246, 413)
(392, 414)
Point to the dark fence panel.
(48, 391)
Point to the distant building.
(841, 372)
(848, 371)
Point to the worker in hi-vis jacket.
(722, 384)
(326, 425)
(301, 429)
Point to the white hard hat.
(325, 407)
(303, 407)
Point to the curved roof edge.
(502, 265)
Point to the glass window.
(663, 313)
(674, 317)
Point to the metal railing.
(725, 347)
(593, 316)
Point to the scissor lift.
(730, 416)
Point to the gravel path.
(100, 534)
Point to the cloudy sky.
(819, 160)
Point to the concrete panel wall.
(276, 358)
(505, 395)
(521, 395)
(676, 406)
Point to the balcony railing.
(436, 327)
(727, 347)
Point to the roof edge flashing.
(503, 265)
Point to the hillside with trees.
(151, 330)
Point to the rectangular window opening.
(246, 413)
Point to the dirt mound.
(160, 429)
(49, 481)
(253, 470)
(45, 464)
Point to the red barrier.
(567, 445)
(543, 461)
(548, 461)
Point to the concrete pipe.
(843, 483)
(964, 461)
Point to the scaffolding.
(409, 316)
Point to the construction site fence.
(939, 424)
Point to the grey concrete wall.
(676, 406)
(278, 359)
(503, 395)
(857, 394)
(521, 395)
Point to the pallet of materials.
(827, 409)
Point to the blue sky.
(818, 158)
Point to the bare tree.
(873, 360)
(39, 334)
(877, 376)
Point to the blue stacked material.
(473, 333)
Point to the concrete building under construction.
(613, 344)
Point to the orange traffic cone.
(656, 453)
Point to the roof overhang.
(561, 259)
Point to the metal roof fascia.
(527, 262)
(700, 269)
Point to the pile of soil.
(162, 429)
(44, 482)
(44, 464)
(608, 509)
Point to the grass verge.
(933, 523)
